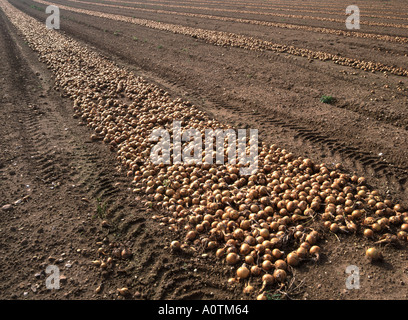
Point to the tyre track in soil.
(384, 174)
(49, 150)
(47, 158)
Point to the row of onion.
(264, 224)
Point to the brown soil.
(48, 159)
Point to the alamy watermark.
(353, 280)
(53, 280)
(353, 20)
(169, 150)
(53, 20)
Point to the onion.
(175, 245)
(402, 235)
(264, 233)
(96, 262)
(368, 221)
(260, 247)
(373, 254)
(245, 224)
(250, 240)
(268, 279)
(280, 275)
(315, 250)
(267, 265)
(334, 227)
(243, 272)
(261, 296)
(245, 249)
(276, 253)
(255, 271)
(191, 235)
(376, 227)
(126, 253)
(398, 208)
(368, 233)
(232, 258)
(280, 264)
(220, 252)
(311, 238)
(211, 245)
(292, 259)
(124, 291)
(248, 289)
(238, 234)
(301, 252)
(356, 214)
(249, 259)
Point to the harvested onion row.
(380, 37)
(274, 14)
(220, 38)
(265, 224)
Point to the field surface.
(265, 65)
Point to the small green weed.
(101, 209)
(327, 99)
